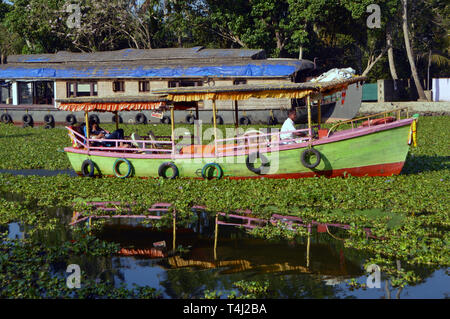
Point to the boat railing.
(77, 138)
(140, 146)
(369, 119)
(256, 140)
(259, 140)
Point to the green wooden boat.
(370, 146)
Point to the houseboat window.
(38, 92)
(84, 89)
(184, 83)
(239, 82)
(75, 89)
(25, 92)
(144, 86)
(5, 93)
(43, 92)
(119, 86)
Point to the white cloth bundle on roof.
(335, 74)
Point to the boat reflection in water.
(318, 258)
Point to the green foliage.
(409, 211)
(27, 270)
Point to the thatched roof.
(246, 91)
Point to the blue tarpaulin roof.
(260, 68)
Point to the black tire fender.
(163, 168)
(209, 166)
(6, 118)
(114, 119)
(141, 118)
(166, 120)
(116, 168)
(88, 164)
(245, 120)
(219, 120)
(307, 152)
(49, 119)
(250, 162)
(190, 119)
(27, 119)
(71, 119)
(272, 120)
(93, 118)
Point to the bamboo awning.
(247, 91)
(119, 104)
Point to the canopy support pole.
(172, 122)
(86, 120)
(236, 116)
(197, 116)
(308, 99)
(117, 120)
(319, 112)
(196, 126)
(215, 125)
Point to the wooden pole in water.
(308, 246)
(216, 234)
(174, 230)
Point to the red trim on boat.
(372, 170)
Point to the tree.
(10, 43)
(410, 52)
(32, 21)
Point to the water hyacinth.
(410, 211)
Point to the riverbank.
(423, 108)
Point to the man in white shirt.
(288, 126)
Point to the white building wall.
(15, 93)
(441, 90)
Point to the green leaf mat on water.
(410, 211)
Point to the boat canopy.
(247, 91)
(95, 104)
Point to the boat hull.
(379, 151)
(343, 107)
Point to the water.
(283, 264)
(39, 172)
(290, 270)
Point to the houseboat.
(32, 85)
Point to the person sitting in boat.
(98, 133)
(288, 127)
